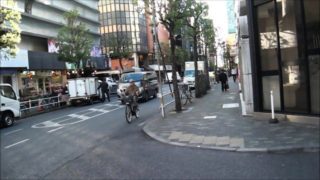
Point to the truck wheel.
(73, 103)
(7, 119)
(146, 96)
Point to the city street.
(92, 142)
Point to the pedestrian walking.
(234, 74)
(224, 81)
(104, 90)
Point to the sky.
(218, 12)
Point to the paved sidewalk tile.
(214, 121)
(237, 142)
(185, 137)
(222, 141)
(210, 140)
(196, 139)
(175, 135)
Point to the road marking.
(16, 143)
(209, 117)
(12, 132)
(141, 124)
(189, 109)
(82, 117)
(53, 130)
(231, 105)
(51, 124)
(99, 110)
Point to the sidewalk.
(215, 122)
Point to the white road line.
(209, 117)
(141, 124)
(16, 143)
(53, 130)
(12, 132)
(79, 116)
(231, 105)
(99, 110)
(189, 109)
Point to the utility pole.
(158, 60)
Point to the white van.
(169, 77)
(147, 82)
(9, 105)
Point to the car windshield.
(189, 73)
(134, 76)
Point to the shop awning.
(8, 71)
(45, 61)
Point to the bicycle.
(186, 94)
(130, 110)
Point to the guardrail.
(42, 104)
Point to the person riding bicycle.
(132, 91)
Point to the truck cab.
(9, 105)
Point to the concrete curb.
(286, 149)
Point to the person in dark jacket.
(104, 90)
(223, 79)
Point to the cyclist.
(133, 91)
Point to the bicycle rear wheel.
(128, 114)
(184, 98)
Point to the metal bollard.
(273, 119)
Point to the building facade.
(123, 25)
(285, 55)
(36, 70)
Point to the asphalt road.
(95, 142)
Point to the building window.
(293, 70)
(312, 20)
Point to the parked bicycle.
(186, 94)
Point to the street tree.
(208, 34)
(195, 13)
(74, 40)
(119, 48)
(171, 15)
(227, 56)
(9, 29)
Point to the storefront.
(45, 76)
(285, 50)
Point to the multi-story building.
(34, 70)
(283, 37)
(124, 22)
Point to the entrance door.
(268, 54)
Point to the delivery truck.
(10, 105)
(189, 73)
(83, 90)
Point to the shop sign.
(43, 73)
(19, 61)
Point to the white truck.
(9, 105)
(83, 90)
(189, 73)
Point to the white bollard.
(273, 119)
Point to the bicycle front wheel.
(128, 114)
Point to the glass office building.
(122, 20)
(285, 46)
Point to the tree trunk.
(120, 62)
(206, 69)
(196, 74)
(174, 75)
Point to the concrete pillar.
(246, 73)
